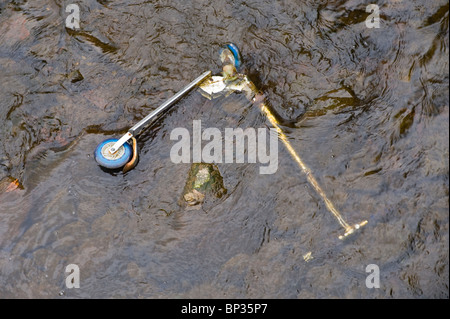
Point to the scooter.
(116, 153)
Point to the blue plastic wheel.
(112, 161)
(236, 54)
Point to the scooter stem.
(137, 128)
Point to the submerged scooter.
(116, 153)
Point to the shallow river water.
(367, 110)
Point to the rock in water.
(203, 186)
(75, 76)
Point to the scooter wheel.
(236, 53)
(112, 161)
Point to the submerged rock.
(203, 186)
(194, 198)
(75, 76)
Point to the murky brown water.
(366, 109)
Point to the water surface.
(367, 110)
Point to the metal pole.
(348, 229)
(136, 129)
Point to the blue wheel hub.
(236, 54)
(112, 161)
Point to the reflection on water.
(366, 109)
